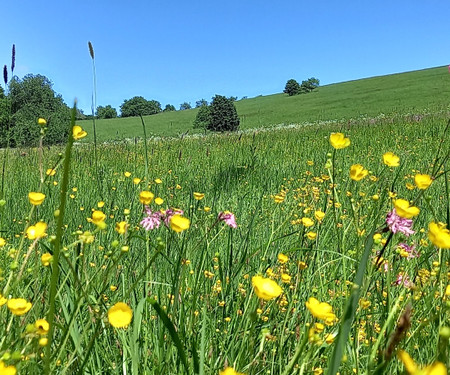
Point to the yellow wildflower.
(265, 288)
(120, 315)
(390, 159)
(339, 141)
(122, 227)
(146, 197)
(78, 132)
(422, 181)
(357, 172)
(404, 210)
(321, 310)
(46, 259)
(439, 235)
(179, 223)
(199, 196)
(36, 199)
(41, 326)
(7, 370)
(37, 230)
(19, 306)
(230, 371)
(411, 367)
(282, 258)
(2, 242)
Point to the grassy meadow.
(312, 279)
(412, 93)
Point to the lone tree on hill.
(223, 115)
(139, 106)
(292, 87)
(309, 85)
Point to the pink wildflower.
(399, 224)
(228, 218)
(411, 250)
(403, 280)
(153, 219)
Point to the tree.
(169, 108)
(185, 105)
(309, 85)
(139, 106)
(106, 112)
(202, 119)
(200, 103)
(292, 87)
(31, 98)
(223, 115)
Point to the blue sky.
(177, 51)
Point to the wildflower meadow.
(321, 249)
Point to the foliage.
(309, 85)
(31, 98)
(106, 112)
(169, 108)
(203, 118)
(200, 103)
(185, 105)
(139, 106)
(292, 87)
(223, 115)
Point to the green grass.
(207, 315)
(412, 93)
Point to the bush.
(106, 112)
(292, 87)
(139, 106)
(202, 119)
(31, 98)
(223, 115)
(169, 108)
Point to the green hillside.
(426, 90)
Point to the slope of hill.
(426, 90)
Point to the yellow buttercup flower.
(230, 371)
(98, 217)
(37, 230)
(19, 306)
(120, 315)
(50, 172)
(390, 159)
(78, 132)
(199, 196)
(127, 174)
(282, 258)
(122, 227)
(422, 181)
(136, 180)
(35, 198)
(41, 326)
(439, 235)
(311, 235)
(307, 222)
(42, 121)
(146, 197)
(265, 288)
(411, 367)
(321, 310)
(158, 181)
(46, 259)
(2, 242)
(159, 201)
(179, 223)
(339, 141)
(7, 370)
(3, 300)
(357, 172)
(404, 210)
(319, 215)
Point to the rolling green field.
(314, 279)
(413, 93)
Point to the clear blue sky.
(176, 51)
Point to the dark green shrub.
(223, 115)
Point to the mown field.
(190, 289)
(416, 93)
